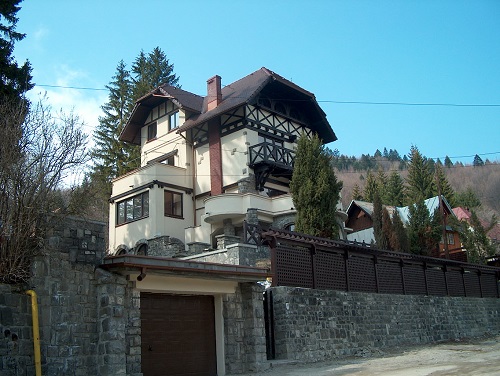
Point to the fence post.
(312, 251)
(402, 266)
(346, 262)
(375, 262)
(444, 268)
(425, 279)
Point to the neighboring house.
(359, 225)
(205, 161)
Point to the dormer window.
(173, 120)
(152, 131)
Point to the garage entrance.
(178, 335)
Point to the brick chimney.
(214, 94)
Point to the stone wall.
(312, 325)
(236, 254)
(87, 315)
(244, 330)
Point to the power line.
(320, 101)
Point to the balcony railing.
(268, 153)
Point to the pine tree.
(424, 229)
(378, 234)
(14, 80)
(315, 189)
(444, 186)
(356, 193)
(447, 162)
(387, 230)
(475, 240)
(420, 179)
(111, 156)
(467, 199)
(377, 154)
(399, 240)
(394, 191)
(151, 71)
(371, 187)
(382, 184)
(477, 161)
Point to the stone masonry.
(89, 318)
(312, 325)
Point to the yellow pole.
(36, 332)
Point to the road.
(466, 357)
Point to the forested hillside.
(479, 180)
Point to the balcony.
(270, 159)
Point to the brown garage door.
(178, 335)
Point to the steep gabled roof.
(181, 98)
(246, 90)
(431, 203)
(236, 94)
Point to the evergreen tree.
(420, 179)
(424, 229)
(386, 153)
(151, 71)
(444, 186)
(382, 185)
(447, 162)
(315, 189)
(371, 187)
(378, 234)
(14, 80)
(477, 161)
(399, 240)
(111, 156)
(394, 191)
(387, 230)
(356, 193)
(467, 199)
(475, 240)
(377, 154)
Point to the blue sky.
(420, 52)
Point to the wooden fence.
(304, 261)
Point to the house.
(359, 225)
(207, 160)
(212, 167)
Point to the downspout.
(36, 332)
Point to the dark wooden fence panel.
(471, 281)
(295, 267)
(489, 286)
(414, 279)
(436, 282)
(455, 283)
(361, 272)
(305, 261)
(390, 278)
(330, 269)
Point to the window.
(173, 120)
(173, 204)
(132, 208)
(152, 131)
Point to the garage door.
(178, 335)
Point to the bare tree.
(38, 152)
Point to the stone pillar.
(252, 216)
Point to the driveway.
(467, 357)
